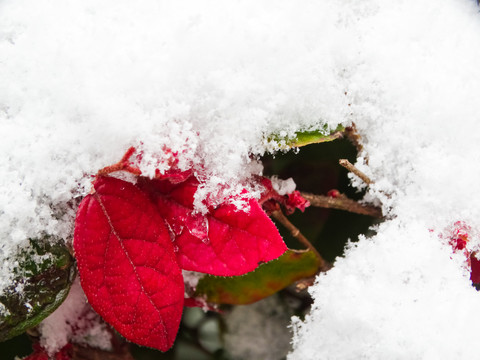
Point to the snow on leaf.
(264, 281)
(225, 241)
(44, 274)
(127, 264)
(303, 138)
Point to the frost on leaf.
(225, 241)
(307, 137)
(127, 264)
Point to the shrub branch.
(342, 203)
(350, 167)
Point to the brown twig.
(278, 215)
(349, 166)
(342, 203)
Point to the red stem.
(122, 165)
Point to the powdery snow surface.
(411, 75)
(81, 81)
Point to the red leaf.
(127, 265)
(225, 241)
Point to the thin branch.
(342, 203)
(349, 166)
(278, 215)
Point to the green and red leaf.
(266, 280)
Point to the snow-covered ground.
(81, 81)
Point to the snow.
(75, 321)
(411, 79)
(83, 80)
(283, 187)
(402, 296)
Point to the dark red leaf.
(475, 273)
(39, 353)
(295, 201)
(271, 199)
(127, 265)
(225, 241)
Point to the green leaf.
(303, 138)
(42, 280)
(266, 280)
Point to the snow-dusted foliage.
(83, 80)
